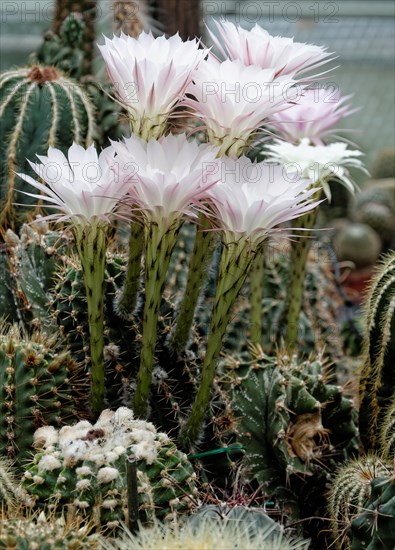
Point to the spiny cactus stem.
(299, 253)
(127, 301)
(160, 243)
(236, 260)
(91, 245)
(200, 259)
(256, 282)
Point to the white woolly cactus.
(84, 467)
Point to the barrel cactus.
(84, 467)
(38, 386)
(39, 108)
(377, 378)
(354, 496)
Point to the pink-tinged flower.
(172, 174)
(258, 47)
(253, 198)
(313, 116)
(82, 186)
(150, 76)
(318, 163)
(233, 101)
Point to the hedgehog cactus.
(291, 418)
(37, 387)
(84, 466)
(378, 375)
(39, 107)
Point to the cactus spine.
(377, 375)
(8, 487)
(39, 107)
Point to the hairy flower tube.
(320, 163)
(247, 205)
(258, 47)
(313, 116)
(85, 189)
(150, 76)
(233, 101)
(173, 175)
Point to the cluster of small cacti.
(84, 467)
(38, 386)
(39, 107)
(44, 533)
(292, 419)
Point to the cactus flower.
(85, 188)
(258, 47)
(233, 101)
(313, 116)
(248, 203)
(150, 76)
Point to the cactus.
(84, 467)
(377, 379)
(373, 526)
(384, 166)
(39, 107)
(42, 533)
(358, 243)
(37, 387)
(387, 432)
(379, 217)
(292, 419)
(8, 486)
(317, 329)
(351, 491)
(28, 265)
(218, 531)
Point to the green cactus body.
(39, 108)
(387, 432)
(373, 528)
(291, 418)
(378, 375)
(28, 265)
(384, 167)
(8, 485)
(84, 467)
(37, 387)
(352, 493)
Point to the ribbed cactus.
(37, 387)
(356, 492)
(84, 467)
(29, 261)
(44, 533)
(292, 419)
(378, 374)
(387, 432)
(374, 526)
(39, 107)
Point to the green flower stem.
(236, 260)
(299, 253)
(199, 261)
(160, 243)
(128, 298)
(91, 246)
(256, 284)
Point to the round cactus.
(39, 108)
(384, 166)
(350, 493)
(37, 387)
(379, 217)
(84, 467)
(358, 243)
